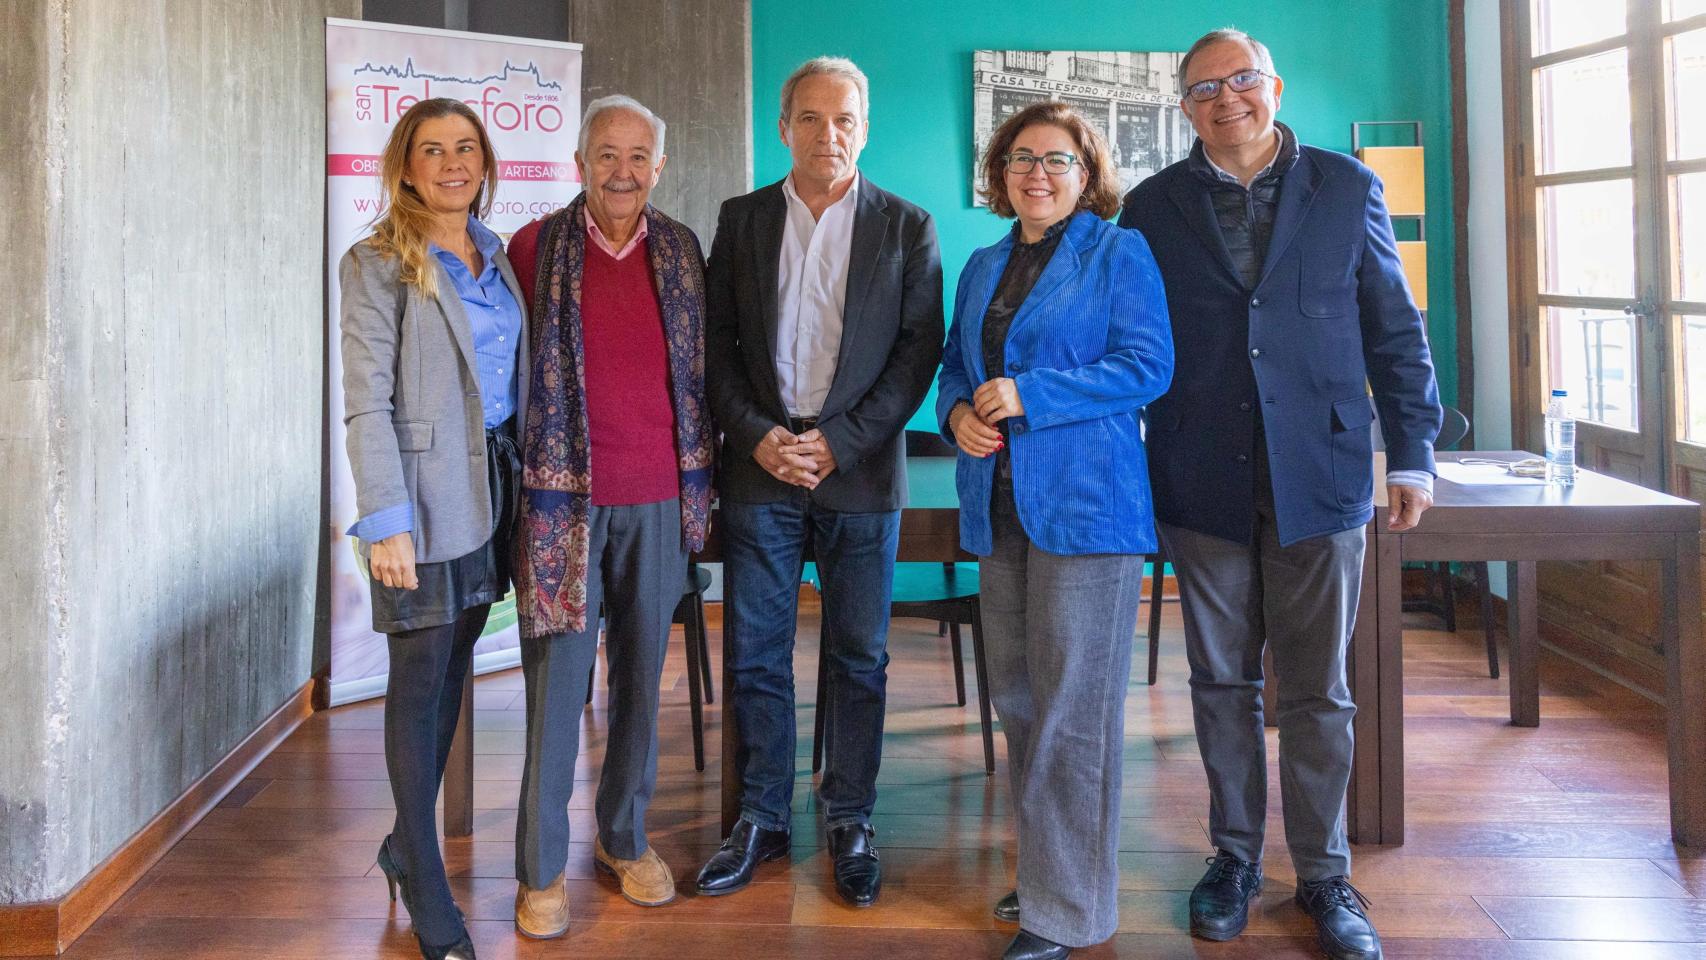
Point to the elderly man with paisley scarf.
(616, 484)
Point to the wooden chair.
(690, 613)
(1157, 576)
(946, 593)
(1441, 596)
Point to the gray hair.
(1264, 59)
(604, 105)
(832, 66)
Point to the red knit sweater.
(627, 381)
(628, 411)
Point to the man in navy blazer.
(1288, 304)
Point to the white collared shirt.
(811, 297)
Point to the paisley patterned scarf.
(551, 542)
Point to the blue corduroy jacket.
(1088, 348)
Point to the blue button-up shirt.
(494, 319)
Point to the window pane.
(1683, 9)
(1570, 23)
(1688, 193)
(1593, 357)
(1694, 379)
(1587, 239)
(1583, 111)
(1685, 79)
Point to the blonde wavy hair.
(400, 228)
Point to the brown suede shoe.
(542, 914)
(646, 881)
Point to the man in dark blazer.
(823, 332)
(1288, 305)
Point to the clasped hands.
(973, 422)
(803, 460)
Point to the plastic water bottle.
(1560, 440)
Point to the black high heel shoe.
(462, 949)
(393, 874)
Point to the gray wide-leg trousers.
(1057, 633)
(636, 570)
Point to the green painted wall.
(1342, 61)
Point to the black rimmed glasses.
(1241, 82)
(1056, 163)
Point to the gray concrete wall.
(539, 19)
(691, 63)
(31, 540)
(689, 60)
(167, 584)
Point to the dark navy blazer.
(1330, 317)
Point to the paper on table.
(1482, 474)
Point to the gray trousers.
(636, 569)
(1301, 601)
(1057, 631)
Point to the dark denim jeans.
(763, 548)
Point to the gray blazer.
(412, 402)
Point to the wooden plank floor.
(1523, 844)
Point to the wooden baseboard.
(45, 929)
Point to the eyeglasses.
(1055, 164)
(1240, 82)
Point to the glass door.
(1682, 118)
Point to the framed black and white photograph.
(1131, 97)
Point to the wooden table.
(929, 530)
(1597, 518)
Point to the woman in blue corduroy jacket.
(1060, 336)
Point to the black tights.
(423, 698)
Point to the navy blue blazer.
(1330, 317)
(1087, 349)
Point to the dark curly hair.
(1101, 191)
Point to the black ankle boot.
(1220, 902)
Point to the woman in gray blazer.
(433, 339)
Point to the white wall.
(1488, 303)
(1489, 306)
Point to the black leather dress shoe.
(1340, 923)
(1029, 946)
(858, 875)
(1007, 908)
(730, 868)
(1220, 902)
